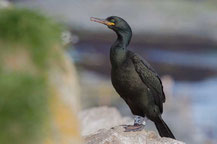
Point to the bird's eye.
(112, 20)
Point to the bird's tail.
(163, 129)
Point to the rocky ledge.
(104, 125)
(117, 135)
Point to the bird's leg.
(138, 120)
(139, 124)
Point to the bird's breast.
(126, 80)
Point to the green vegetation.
(24, 95)
(30, 29)
(23, 107)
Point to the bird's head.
(115, 23)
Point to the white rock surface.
(66, 83)
(102, 125)
(117, 135)
(97, 118)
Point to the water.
(203, 60)
(204, 103)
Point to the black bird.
(135, 80)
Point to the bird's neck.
(118, 50)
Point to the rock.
(64, 80)
(117, 135)
(102, 117)
(65, 102)
(103, 125)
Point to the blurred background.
(177, 37)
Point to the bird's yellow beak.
(102, 21)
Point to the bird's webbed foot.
(139, 124)
(134, 128)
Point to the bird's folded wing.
(150, 78)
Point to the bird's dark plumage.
(134, 79)
(150, 78)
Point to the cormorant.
(135, 80)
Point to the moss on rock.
(24, 94)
